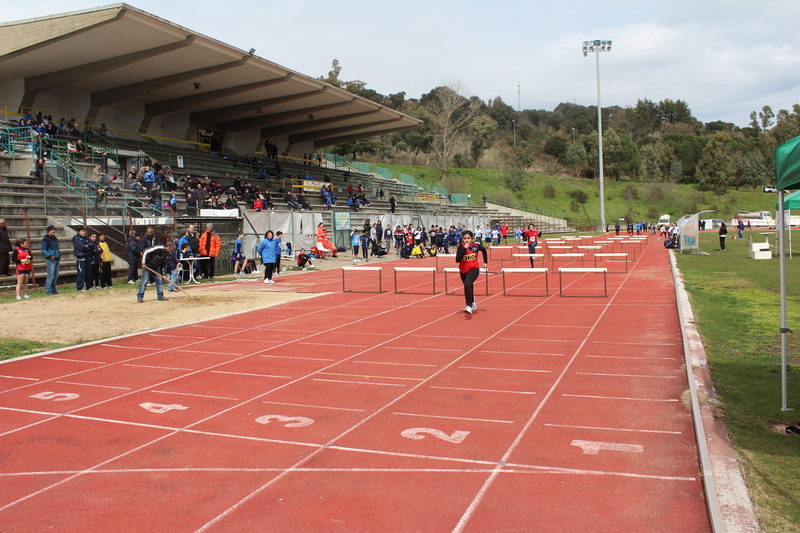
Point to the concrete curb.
(733, 499)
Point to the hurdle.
(489, 252)
(571, 257)
(529, 256)
(612, 255)
(631, 242)
(590, 248)
(451, 257)
(456, 269)
(432, 270)
(583, 271)
(544, 271)
(363, 269)
(560, 247)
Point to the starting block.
(457, 270)
(363, 269)
(583, 271)
(544, 271)
(432, 270)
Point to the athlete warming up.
(468, 265)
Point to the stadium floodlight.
(598, 46)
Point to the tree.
(716, 168)
(516, 179)
(575, 157)
(333, 74)
(754, 121)
(482, 127)
(766, 115)
(556, 146)
(645, 118)
(451, 114)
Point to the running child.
(469, 266)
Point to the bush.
(516, 179)
(630, 192)
(579, 195)
(549, 191)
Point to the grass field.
(737, 307)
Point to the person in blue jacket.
(83, 249)
(52, 256)
(269, 249)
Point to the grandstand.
(159, 92)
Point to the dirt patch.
(94, 315)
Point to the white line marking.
(75, 360)
(456, 418)
(412, 348)
(204, 351)
(316, 406)
(624, 375)
(91, 385)
(334, 344)
(159, 367)
(131, 347)
(210, 326)
(248, 374)
(619, 398)
(175, 336)
(483, 390)
(17, 377)
(634, 357)
(360, 382)
(591, 447)
(521, 353)
(291, 357)
(535, 340)
(615, 429)
(638, 343)
(385, 363)
(190, 394)
(505, 369)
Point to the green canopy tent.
(787, 176)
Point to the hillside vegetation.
(634, 201)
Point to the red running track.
(367, 412)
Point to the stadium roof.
(118, 60)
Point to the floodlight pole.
(597, 46)
(514, 124)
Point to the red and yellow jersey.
(468, 257)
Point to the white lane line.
(505, 369)
(635, 357)
(292, 357)
(483, 390)
(620, 398)
(317, 406)
(92, 385)
(624, 375)
(211, 352)
(159, 367)
(615, 429)
(190, 394)
(175, 336)
(460, 337)
(638, 343)
(17, 377)
(386, 363)
(413, 348)
(206, 326)
(249, 374)
(535, 340)
(456, 418)
(334, 344)
(75, 360)
(522, 353)
(360, 382)
(131, 347)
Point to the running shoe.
(468, 309)
(474, 305)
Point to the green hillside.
(624, 199)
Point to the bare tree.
(450, 114)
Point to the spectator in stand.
(132, 256)
(303, 201)
(23, 259)
(200, 196)
(191, 205)
(291, 201)
(105, 262)
(83, 248)
(209, 246)
(392, 202)
(5, 248)
(52, 257)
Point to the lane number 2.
(457, 437)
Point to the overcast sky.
(725, 58)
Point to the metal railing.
(526, 208)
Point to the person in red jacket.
(209, 246)
(469, 267)
(532, 235)
(24, 261)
